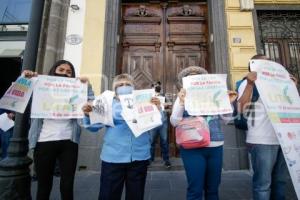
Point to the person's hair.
(156, 83)
(259, 56)
(61, 62)
(256, 57)
(187, 71)
(122, 77)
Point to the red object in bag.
(192, 132)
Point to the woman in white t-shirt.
(55, 139)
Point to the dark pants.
(5, 137)
(162, 132)
(45, 155)
(114, 175)
(203, 169)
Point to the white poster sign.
(5, 122)
(102, 109)
(282, 102)
(206, 94)
(139, 114)
(58, 98)
(18, 94)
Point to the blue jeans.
(5, 137)
(270, 172)
(203, 168)
(162, 131)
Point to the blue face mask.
(122, 90)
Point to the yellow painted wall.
(93, 39)
(240, 25)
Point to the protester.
(6, 135)
(55, 139)
(269, 167)
(203, 166)
(161, 131)
(124, 156)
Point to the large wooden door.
(159, 40)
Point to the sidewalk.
(163, 185)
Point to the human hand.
(84, 79)
(11, 115)
(232, 95)
(156, 101)
(29, 74)
(251, 77)
(294, 79)
(181, 95)
(87, 108)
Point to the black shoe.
(167, 164)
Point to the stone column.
(53, 34)
(15, 180)
(111, 37)
(218, 36)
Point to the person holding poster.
(55, 139)
(267, 158)
(203, 166)
(161, 131)
(124, 156)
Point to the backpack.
(192, 132)
(240, 120)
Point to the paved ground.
(165, 185)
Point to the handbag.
(192, 132)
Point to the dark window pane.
(14, 11)
(272, 51)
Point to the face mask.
(157, 89)
(122, 90)
(61, 75)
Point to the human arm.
(246, 95)
(87, 108)
(29, 74)
(178, 108)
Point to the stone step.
(158, 165)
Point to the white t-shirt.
(262, 132)
(55, 129)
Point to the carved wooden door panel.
(142, 36)
(159, 40)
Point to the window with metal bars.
(280, 38)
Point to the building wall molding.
(277, 7)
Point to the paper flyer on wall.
(102, 109)
(58, 98)
(206, 94)
(282, 102)
(5, 122)
(18, 94)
